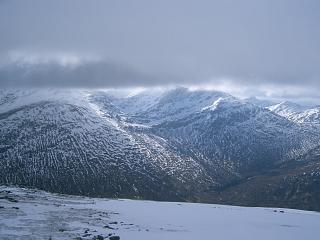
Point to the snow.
(139, 101)
(214, 105)
(225, 102)
(11, 99)
(155, 106)
(42, 215)
(84, 129)
(297, 113)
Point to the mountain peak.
(287, 106)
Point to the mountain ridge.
(185, 145)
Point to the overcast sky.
(257, 47)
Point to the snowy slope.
(235, 135)
(32, 214)
(139, 102)
(259, 102)
(155, 107)
(172, 144)
(310, 116)
(71, 146)
(297, 113)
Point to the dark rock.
(114, 238)
(98, 237)
(108, 227)
(10, 199)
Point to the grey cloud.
(99, 74)
(167, 42)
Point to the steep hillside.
(297, 113)
(72, 147)
(238, 135)
(173, 144)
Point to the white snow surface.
(42, 215)
(297, 113)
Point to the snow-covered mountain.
(260, 102)
(67, 144)
(158, 106)
(226, 135)
(238, 135)
(174, 144)
(311, 116)
(297, 113)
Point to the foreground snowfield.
(33, 214)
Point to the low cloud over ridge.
(267, 44)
